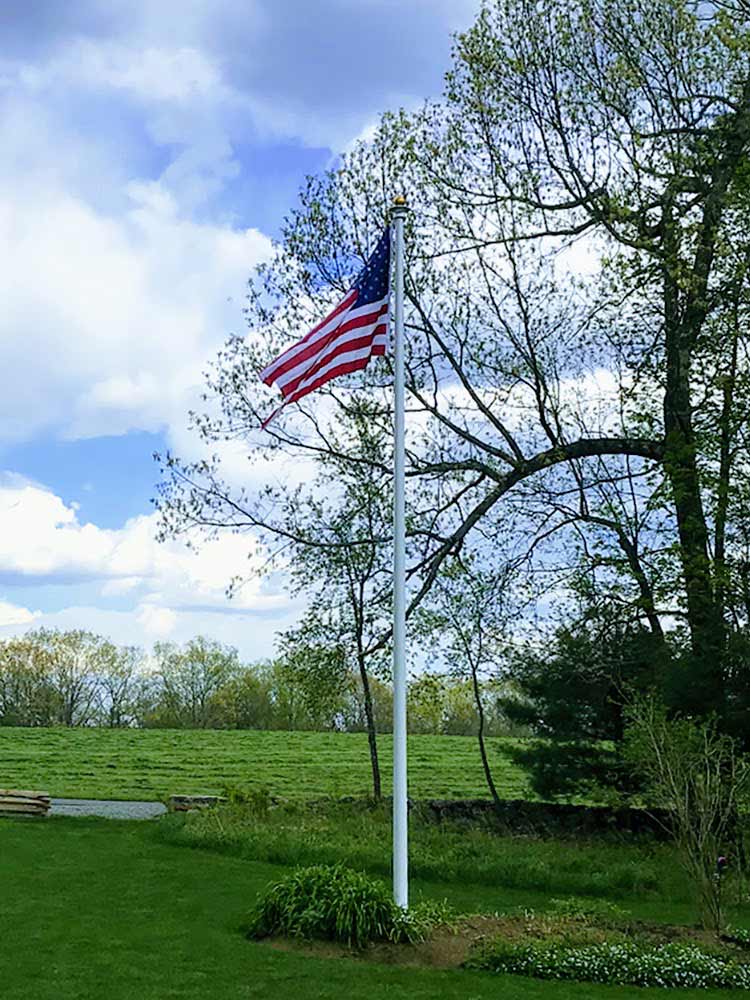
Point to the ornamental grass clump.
(334, 903)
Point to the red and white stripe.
(343, 342)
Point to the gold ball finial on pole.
(400, 207)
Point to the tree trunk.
(704, 690)
(372, 738)
(480, 736)
(686, 306)
(725, 470)
(703, 615)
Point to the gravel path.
(109, 809)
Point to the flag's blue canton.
(372, 281)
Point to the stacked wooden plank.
(16, 802)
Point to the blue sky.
(150, 151)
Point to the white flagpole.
(400, 800)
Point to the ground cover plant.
(123, 900)
(585, 944)
(153, 764)
(668, 965)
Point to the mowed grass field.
(156, 763)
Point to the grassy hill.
(153, 764)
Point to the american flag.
(355, 331)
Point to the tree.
(26, 694)
(191, 678)
(120, 684)
(73, 678)
(572, 693)
(318, 671)
(468, 617)
(245, 701)
(696, 773)
(74, 661)
(633, 122)
(426, 703)
(381, 701)
(622, 124)
(335, 543)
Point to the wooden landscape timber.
(23, 802)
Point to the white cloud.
(254, 637)
(42, 538)
(121, 270)
(11, 615)
(119, 277)
(119, 315)
(116, 279)
(172, 591)
(150, 74)
(157, 622)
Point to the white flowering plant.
(670, 965)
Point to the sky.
(149, 154)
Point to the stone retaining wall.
(540, 818)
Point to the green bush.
(421, 919)
(601, 911)
(337, 904)
(621, 963)
(257, 801)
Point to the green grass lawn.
(485, 870)
(94, 908)
(153, 764)
(360, 837)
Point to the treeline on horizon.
(77, 678)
